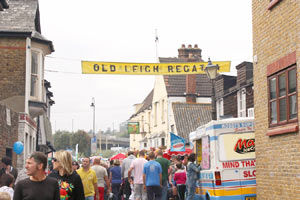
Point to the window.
(142, 125)
(220, 108)
(241, 98)
(8, 152)
(149, 121)
(283, 97)
(34, 73)
(163, 111)
(162, 141)
(30, 145)
(155, 113)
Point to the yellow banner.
(91, 67)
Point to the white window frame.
(142, 124)
(38, 75)
(163, 111)
(220, 108)
(241, 101)
(155, 113)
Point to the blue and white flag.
(177, 143)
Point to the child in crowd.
(6, 184)
(180, 180)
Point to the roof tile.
(188, 117)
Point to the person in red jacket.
(180, 180)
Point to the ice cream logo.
(245, 146)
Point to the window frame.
(278, 98)
(163, 111)
(39, 74)
(220, 108)
(273, 3)
(241, 99)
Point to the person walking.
(192, 176)
(89, 180)
(138, 166)
(8, 168)
(180, 180)
(69, 181)
(165, 165)
(6, 184)
(152, 178)
(115, 179)
(125, 167)
(38, 185)
(102, 177)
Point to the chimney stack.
(190, 54)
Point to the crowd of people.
(140, 176)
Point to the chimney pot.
(182, 46)
(196, 46)
(190, 46)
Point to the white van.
(226, 151)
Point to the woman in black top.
(69, 181)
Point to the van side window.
(199, 151)
(203, 152)
(205, 164)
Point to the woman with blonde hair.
(69, 181)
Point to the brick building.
(22, 85)
(276, 51)
(9, 121)
(238, 89)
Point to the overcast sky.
(124, 31)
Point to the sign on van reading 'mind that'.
(91, 67)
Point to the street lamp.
(212, 73)
(94, 140)
(93, 105)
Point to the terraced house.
(23, 88)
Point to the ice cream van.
(226, 151)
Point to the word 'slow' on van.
(226, 151)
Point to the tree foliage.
(83, 140)
(64, 140)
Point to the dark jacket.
(13, 172)
(70, 186)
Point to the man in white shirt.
(125, 167)
(138, 166)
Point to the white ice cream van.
(226, 151)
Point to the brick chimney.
(190, 54)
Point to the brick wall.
(12, 67)
(275, 35)
(8, 133)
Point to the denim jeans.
(164, 194)
(89, 198)
(154, 192)
(191, 189)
